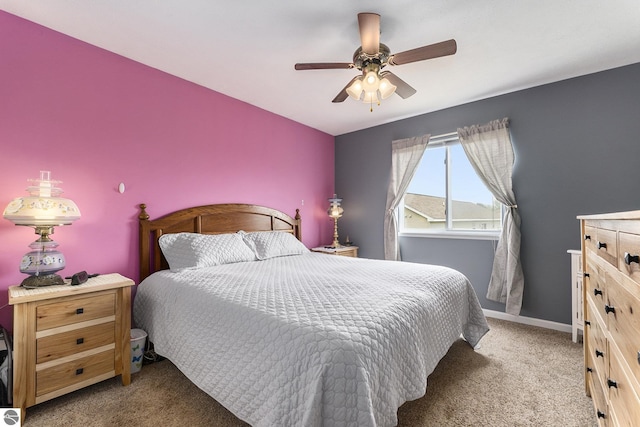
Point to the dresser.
(68, 337)
(351, 251)
(611, 286)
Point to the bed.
(282, 336)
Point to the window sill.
(467, 235)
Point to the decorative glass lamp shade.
(43, 209)
(335, 211)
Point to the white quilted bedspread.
(312, 339)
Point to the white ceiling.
(247, 48)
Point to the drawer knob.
(79, 371)
(609, 309)
(601, 414)
(79, 310)
(599, 353)
(588, 323)
(612, 383)
(597, 292)
(80, 341)
(589, 369)
(587, 237)
(628, 258)
(602, 245)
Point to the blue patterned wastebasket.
(138, 340)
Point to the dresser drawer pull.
(601, 414)
(587, 237)
(602, 245)
(609, 309)
(639, 358)
(588, 323)
(589, 369)
(599, 353)
(612, 383)
(79, 310)
(597, 292)
(628, 258)
(79, 371)
(80, 341)
(585, 274)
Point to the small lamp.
(42, 210)
(335, 212)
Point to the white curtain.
(489, 150)
(405, 157)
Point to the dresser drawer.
(624, 401)
(67, 343)
(64, 375)
(74, 310)
(624, 325)
(596, 288)
(599, 400)
(590, 238)
(629, 255)
(606, 246)
(597, 344)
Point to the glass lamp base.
(33, 282)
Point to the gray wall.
(577, 146)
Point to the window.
(446, 196)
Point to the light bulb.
(370, 82)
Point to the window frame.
(449, 232)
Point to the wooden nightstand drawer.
(74, 310)
(67, 343)
(349, 251)
(60, 376)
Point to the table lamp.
(42, 210)
(335, 212)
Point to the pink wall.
(95, 119)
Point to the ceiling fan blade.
(435, 50)
(324, 66)
(369, 24)
(402, 88)
(343, 93)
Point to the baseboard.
(528, 320)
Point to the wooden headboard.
(209, 219)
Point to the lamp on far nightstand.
(335, 212)
(42, 210)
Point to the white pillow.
(270, 244)
(193, 250)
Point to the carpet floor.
(520, 376)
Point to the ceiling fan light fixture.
(355, 90)
(386, 88)
(371, 81)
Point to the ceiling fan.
(370, 58)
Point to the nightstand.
(68, 337)
(351, 251)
